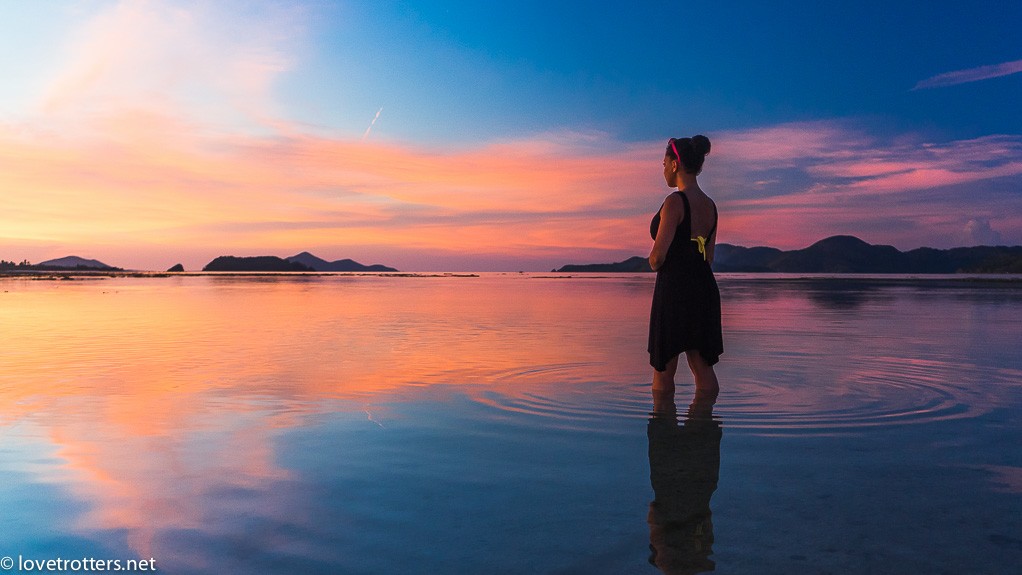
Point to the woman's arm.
(711, 242)
(671, 214)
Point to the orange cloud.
(162, 180)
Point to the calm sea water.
(503, 424)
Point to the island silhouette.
(345, 265)
(842, 254)
(69, 263)
(303, 262)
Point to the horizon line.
(16, 263)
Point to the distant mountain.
(346, 265)
(177, 268)
(632, 264)
(745, 259)
(254, 264)
(74, 263)
(846, 254)
(849, 254)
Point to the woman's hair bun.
(690, 152)
(701, 144)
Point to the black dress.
(686, 302)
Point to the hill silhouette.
(74, 262)
(632, 264)
(254, 264)
(69, 263)
(303, 262)
(345, 265)
(844, 254)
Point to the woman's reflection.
(684, 463)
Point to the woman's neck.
(686, 181)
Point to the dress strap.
(700, 241)
(687, 230)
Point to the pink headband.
(676, 154)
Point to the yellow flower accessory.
(701, 242)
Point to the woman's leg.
(664, 380)
(706, 379)
(663, 403)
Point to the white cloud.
(978, 232)
(214, 60)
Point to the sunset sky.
(484, 136)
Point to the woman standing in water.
(685, 316)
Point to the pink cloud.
(843, 180)
(217, 61)
(787, 144)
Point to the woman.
(686, 302)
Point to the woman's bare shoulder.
(674, 199)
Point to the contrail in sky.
(970, 75)
(376, 117)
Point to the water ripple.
(564, 396)
(886, 391)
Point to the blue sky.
(486, 69)
(516, 135)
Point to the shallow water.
(502, 424)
